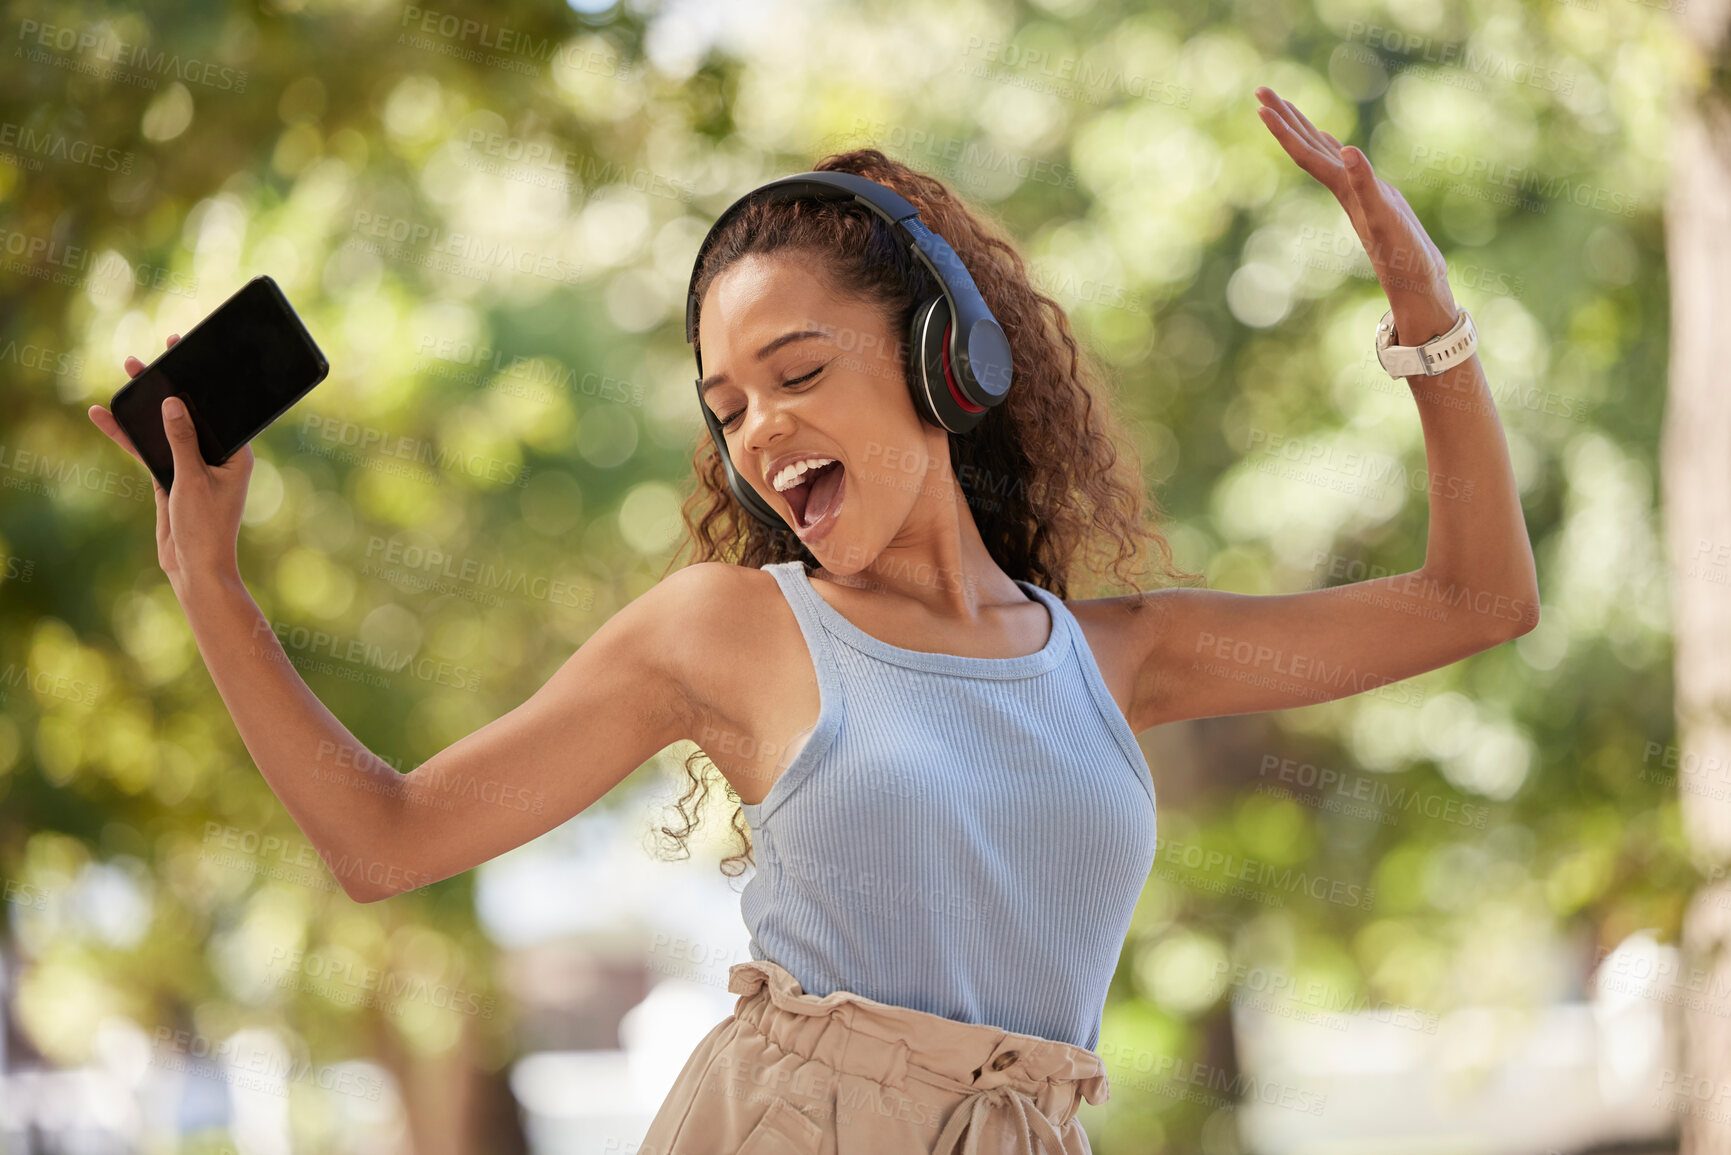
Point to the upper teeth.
(790, 474)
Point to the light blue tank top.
(962, 836)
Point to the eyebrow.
(715, 379)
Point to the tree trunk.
(453, 1104)
(1696, 465)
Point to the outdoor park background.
(487, 217)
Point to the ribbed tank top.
(962, 836)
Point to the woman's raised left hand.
(1407, 263)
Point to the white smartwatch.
(1437, 355)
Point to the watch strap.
(1437, 355)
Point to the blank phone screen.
(237, 371)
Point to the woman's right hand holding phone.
(198, 521)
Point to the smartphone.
(236, 371)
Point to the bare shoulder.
(1118, 620)
(699, 582)
(706, 604)
(710, 621)
(1121, 632)
(714, 592)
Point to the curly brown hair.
(1051, 479)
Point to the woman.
(936, 751)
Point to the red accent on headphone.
(967, 406)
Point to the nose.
(765, 424)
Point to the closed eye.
(727, 422)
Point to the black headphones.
(958, 358)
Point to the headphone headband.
(885, 202)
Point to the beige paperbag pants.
(792, 1074)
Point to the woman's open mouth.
(815, 500)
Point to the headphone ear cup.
(930, 370)
(931, 316)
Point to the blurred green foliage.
(489, 233)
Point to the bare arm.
(612, 705)
(618, 700)
(1205, 653)
(292, 737)
(623, 696)
(1202, 653)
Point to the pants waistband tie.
(993, 1108)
